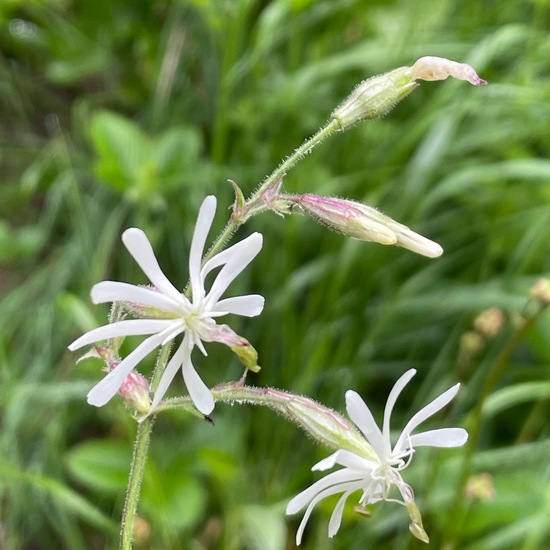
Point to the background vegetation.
(122, 113)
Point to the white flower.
(376, 473)
(170, 313)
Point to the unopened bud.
(135, 392)
(374, 97)
(359, 221)
(247, 354)
(135, 388)
(325, 425)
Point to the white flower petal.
(436, 405)
(250, 305)
(200, 394)
(114, 291)
(202, 228)
(330, 480)
(345, 458)
(392, 398)
(225, 256)
(336, 517)
(443, 437)
(169, 372)
(241, 254)
(129, 327)
(141, 250)
(346, 487)
(363, 419)
(107, 388)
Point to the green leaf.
(101, 465)
(122, 148)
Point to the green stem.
(255, 204)
(139, 459)
(324, 425)
(304, 149)
(137, 470)
(475, 421)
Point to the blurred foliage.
(122, 113)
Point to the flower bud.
(247, 354)
(135, 388)
(374, 97)
(327, 426)
(359, 221)
(135, 392)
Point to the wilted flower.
(165, 312)
(359, 221)
(439, 68)
(376, 473)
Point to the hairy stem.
(139, 459)
(255, 204)
(135, 479)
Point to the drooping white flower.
(376, 473)
(166, 312)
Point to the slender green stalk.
(324, 425)
(137, 469)
(304, 149)
(255, 204)
(139, 459)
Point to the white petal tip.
(204, 408)
(132, 233)
(98, 397)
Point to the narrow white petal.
(226, 255)
(363, 419)
(392, 398)
(141, 250)
(202, 228)
(104, 390)
(347, 487)
(334, 479)
(345, 458)
(336, 517)
(113, 291)
(436, 405)
(250, 305)
(169, 372)
(129, 327)
(444, 437)
(242, 254)
(198, 391)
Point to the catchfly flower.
(164, 312)
(378, 470)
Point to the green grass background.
(117, 113)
